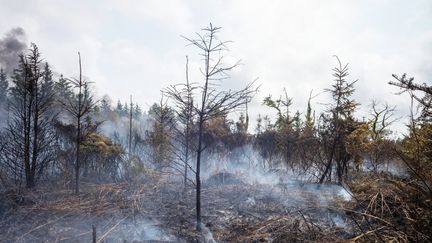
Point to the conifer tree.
(30, 132)
(4, 86)
(340, 122)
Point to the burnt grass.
(156, 209)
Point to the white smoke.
(11, 45)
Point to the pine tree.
(29, 130)
(159, 137)
(125, 110)
(119, 108)
(259, 126)
(4, 87)
(47, 80)
(309, 119)
(137, 111)
(105, 104)
(80, 107)
(63, 90)
(340, 122)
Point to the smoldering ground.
(241, 202)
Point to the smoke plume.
(11, 45)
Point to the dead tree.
(407, 84)
(31, 138)
(79, 106)
(381, 119)
(382, 116)
(417, 158)
(183, 145)
(130, 129)
(210, 102)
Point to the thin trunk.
(77, 162)
(329, 163)
(335, 140)
(29, 179)
(94, 238)
(200, 134)
(188, 118)
(198, 179)
(186, 166)
(26, 130)
(35, 129)
(130, 129)
(78, 138)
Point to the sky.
(134, 47)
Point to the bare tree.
(381, 119)
(31, 145)
(210, 102)
(407, 84)
(380, 148)
(417, 158)
(183, 104)
(80, 107)
(130, 129)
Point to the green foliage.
(309, 119)
(159, 137)
(63, 90)
(101, 145)
(418, 147)
(241, 124)
(338, 124)
(282, 106)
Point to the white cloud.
(135, 46)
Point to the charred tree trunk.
(130, 130)
(197, 175)
(78, 136)
(213, 103)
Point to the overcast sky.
(134, 46)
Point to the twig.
(111, 229)
(42, 225)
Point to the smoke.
(292, 188)
(207, 234)
(11, 45)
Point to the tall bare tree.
(80, 106)
(183, 145)
(130, 129)
(210, 101)
(4, 87)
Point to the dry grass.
(391, 209)
(386, 209)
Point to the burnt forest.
(215, 121)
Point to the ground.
(157, 209)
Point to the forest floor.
(158, 210)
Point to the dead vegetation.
(390, 209)
(383, 209)
(236, 212)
